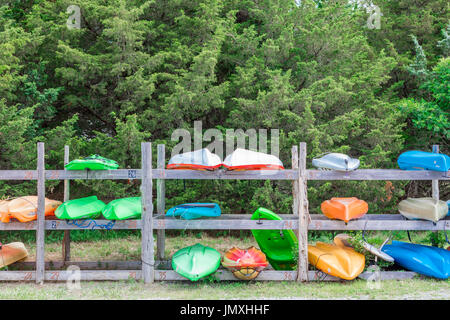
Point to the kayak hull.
(338, 261)
(191, 211)
(24, 209)
(12, 252)
(421, 160)
(344, 209)
(195, 262)
(336, 161)
(423, 208)
(122, 209)
(426, 260)
(93, 162)
(279, 246)
(82, 208)
(245, 264)
(242, 159)
(201, 159)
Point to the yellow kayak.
(12, 252)
(336, 260)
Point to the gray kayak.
(336, 161)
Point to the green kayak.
(278, 245)
(93, 162)
(121, 209)
(83, 208)
(196, 261)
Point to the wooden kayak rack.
(149, 269)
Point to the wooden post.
(147, 255)
(295, 194)
(161, 202)
(66, 239)
(435, 183)
(303, 219)
(40, 228)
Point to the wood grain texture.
(66, 238)
(40, 223)
(161, 202)
(147, 214)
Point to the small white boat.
(201, 159)
(242, 159)
(336, 161)
(423, 208)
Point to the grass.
(128, 248)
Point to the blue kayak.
(448, 204)
(427, 260)
(421, 160)
(190, 211)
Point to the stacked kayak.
(427, 260)
(201, 159)
(279, 246)
(423, 208)
(93, 162)
(24, 209)
(195, 262)
(336, 161)
(242, 159)
(421, 160)
(88, 207)
(344, 209)
(121, 209)
(12, 252)
(245, 264)
(190, 211)
(336, 260)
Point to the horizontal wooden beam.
(170, 275)
(241, 222)
(288, 174)
(377, 174)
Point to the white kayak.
(423, 208)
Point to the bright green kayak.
(93, 162)
(279, 246)
(121, 209)
(196, 261)
(89, 207)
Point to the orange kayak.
(245, 264)
(12, 252)
(344, 208)
(24, 209)
(339, 261)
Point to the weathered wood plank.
(170, 275)
(303, 216)
(18, 174)
(238, 221)
(377, 224)
(87, 224)
(161, 202)
(40, 224)
(288, 174)
(377, 174)
(147, 214)
(66, 239)
(435, 183)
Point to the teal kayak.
(83, 208)
(93, 162)
(195, 262)
(121, 209)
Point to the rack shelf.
(152, 220)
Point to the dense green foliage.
(137, 70)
